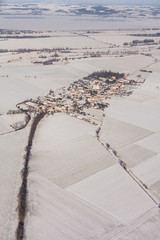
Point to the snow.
(61, 41)
(117, 37)
(11, 162)
(59, 128)
(113, 132)
(4, 126)
(70, 150)
(136, 114)
(56, 214)
(155, 68)
(114, 191)
(150, 173)
(132, 128)
(149, 229)
(155, 188)
(13, 118)
(152, 143)
(127, 64)
(71, 161)
(135, 154)
(143, 95)
(146, 227)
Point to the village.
(92, 92)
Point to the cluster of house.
(79, 96)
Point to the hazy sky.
(98, 2)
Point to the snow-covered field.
(113, 130)
(65, 152)
(60, 41)
(132, 127)
(73, 160)
(118, 38)
(114, 192)
(77, 154)
(11, 163)
(4, 126)
(57, 214)
(59, 129)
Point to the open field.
(71, 217)
(113, 191)
(4, 126)
(11, 161)
(69, 166)
(132, 127)
(59, 129)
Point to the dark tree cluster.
(29, 50)
(135, 42)
(145, 35)
(105, 74)
(47, 62)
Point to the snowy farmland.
(56, 214)
(132, 127)
(11, 161)
(114, 192)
